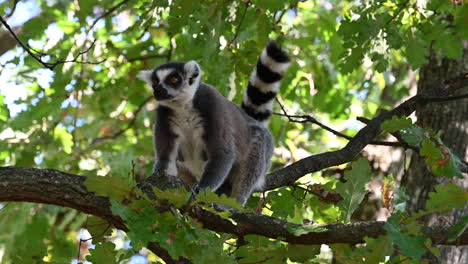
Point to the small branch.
(12, 10)
(108, 12)
(396, 134)
(463, 166)
(319, 191)
(280, 16)
(241, 21)
(310, 119)
(129, 125)
(146, 57)
(38, 55)
(291, 173)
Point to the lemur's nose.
(160, 93)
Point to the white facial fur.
(145, 76)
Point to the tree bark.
(7, 41)
(64, 189)
(450, 119)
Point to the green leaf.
(64, 138)
(413, 135)
(282, 203)
(376, 249)
(142, 223)
(429, 150)
(395, 124)
(108, 186)
(177, 197)
(416, 52)
(98, 228)
(354, 189)
(302, 253)
(447, 197)
(209, 197)
(102, 253)
(4, 113)
(410, 246)
(262, 250)
(29, 245)
(271, 5)
(440, 159)
(352, 61)
(62, 247)
(456, 230)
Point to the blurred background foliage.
(92, 116)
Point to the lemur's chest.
(188, 126)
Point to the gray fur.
(205, 139)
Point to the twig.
(129, 125)
(310, 119)
(241, 21)
(146, 57)
(365, 135)
(12, 10)
(463, 167)
(108, 12)
(37, 55)
(281, 16)
(319, 191)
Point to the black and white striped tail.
(264, 83)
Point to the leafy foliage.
(354, 190)
(93, 117)
(447, 197)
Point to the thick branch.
(60, 188)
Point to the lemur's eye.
(173, 80)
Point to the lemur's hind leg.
(252, 174)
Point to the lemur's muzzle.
(160, 93)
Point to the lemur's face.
(173, 81)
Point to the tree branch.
(129, 125)
(12, 10)
(314, 163)
(38, 55)
(108, 12)
(64, 189)
(310, 119)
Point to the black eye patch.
(154, 78)
(173, 80)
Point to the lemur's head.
(173, 81)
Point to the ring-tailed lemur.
(207, 140)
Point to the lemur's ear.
(145, 76)
(192, 72)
